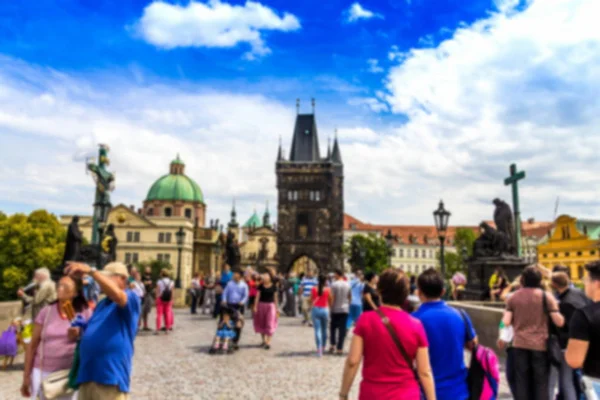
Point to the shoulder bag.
(398, 343)
(57, 383)
(552, 344)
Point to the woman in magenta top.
(385, 373)
(321, 300)
(52, 348)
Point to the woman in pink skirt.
(266, 308)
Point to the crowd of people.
(410, 342)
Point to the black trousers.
(194, 304)
(217, 305)
(236, 315)
(338, 325)
(532, 374)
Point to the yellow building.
(259, 246)
(570, 247)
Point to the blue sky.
(431, 99)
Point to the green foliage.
(463, 239)
(376, 252)
(28, 243)
(156, 267)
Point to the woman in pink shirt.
(386, 373)
(321, 301)
(51, 347)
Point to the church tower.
(310, 200)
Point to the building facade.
(310, 200)
(570, 247)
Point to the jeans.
(510, 370)
(532, 370)
(563, 376)
(319, 318)
(338, 325)
(355, 311)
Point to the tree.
(455, 262)
(28, 243)
(375, 250)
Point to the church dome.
(175, 186)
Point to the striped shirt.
(307, 285)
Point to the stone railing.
(486, 317)
(9, 310)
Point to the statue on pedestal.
(109, 243)
(232, 251)
(73, 245)
(503, 218)
(105, 183)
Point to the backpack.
(484, 372)
(167, 293)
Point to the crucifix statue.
(513, 180)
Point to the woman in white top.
(164, 301)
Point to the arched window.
(188, 213)
(150, 212)
(168, 212)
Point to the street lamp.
(180, 236)
(217, 252)
(441, 217)
(389, 238)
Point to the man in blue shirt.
(226, 275)
(106, 347)
(235, 297)
(356, 286)
(306, 285)
(448, 334)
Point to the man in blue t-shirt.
(106, 347)
(448, 333)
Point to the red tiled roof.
(422, 232)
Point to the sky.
(431, 99)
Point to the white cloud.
(371, 103)
(357, 134)
(212, 24)
(357, 12)
(374, 67)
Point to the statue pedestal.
(480, 271)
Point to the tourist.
(340, 307)
(371, 299)
(218, 296)
(235, 297)
(53, 344)
(583, 349)
(492, 281)
(226, 275)
(266, 309)
(195, 292)
(357, 286)
(106, 347)
(295, 282)
(306, 285)
(289, 300)
(225, 332)
(9, 343)
(91, 291)
(501, 283)
(209, 294)
(448, 333)
(526, 312)
(388, 371)
(413, 284)
(321, 301)
(45, 292)
(136, 285)
(251, 281)
(569, 300)
(164, 301)
(148, 300)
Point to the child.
(225, 332)
(9, 343)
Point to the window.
(161, 237)
(136, 237)
(430, 253)
(424, 253)
(168, 237)
(290, 195)
(567, 254)
(188, 213)
(408, 253)
(302, 226)
(167, 258)
(545, 255)
(416, 253)
(401, 253)
(127, 258)
(409, 269)
(593, 252)
(129, 236)
(580, 271)
(423, 268)
(312, 196)
(168, 211)
(135, 258)
(579, 253)
(555, 254)
(150, 212)
(318, 196)
(295, 195)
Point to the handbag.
(57, 383)
(553, 348)
(400, 347)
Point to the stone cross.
(513, 180)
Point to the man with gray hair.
(45, 292)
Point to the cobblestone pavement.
(177, 366)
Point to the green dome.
(253, 222)
(175, 187)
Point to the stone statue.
(232, 251)
(491, 242)
(105, 183)
(73, 245)
(263, 254)
(109, 243)
(503, 218)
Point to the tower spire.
(267, 216)
(336, 156)
(280, 151)
(233, 222)
(297, 106)
(312, 101)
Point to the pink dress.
(385, 374)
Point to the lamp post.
(441, 217)
(217, 252)
(389, 238)
(180, 235)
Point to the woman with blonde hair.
(164, 301)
